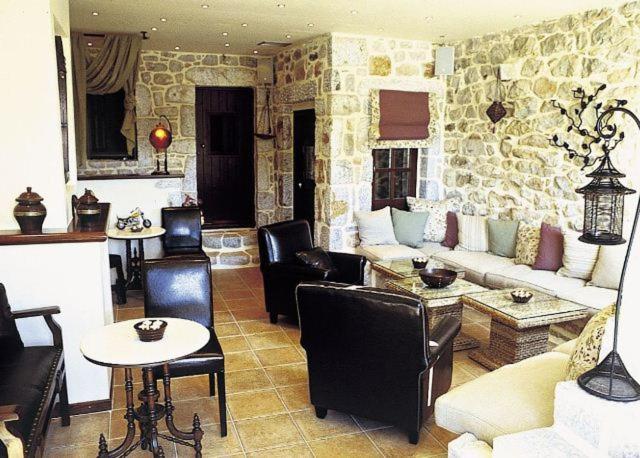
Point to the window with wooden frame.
(394, 177)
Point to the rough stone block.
(234, 258)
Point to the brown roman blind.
(404, 115)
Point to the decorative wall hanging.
(496, 110)
(402, 119)
(603, 219)
(265, 129)
(160, 138)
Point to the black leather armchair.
(181, 288)
(281, 272)
(184, 232)
(30, 380)
(369, 353)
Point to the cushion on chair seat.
(591, 296)
(523, 276)
(514, 398)
(28, 399)
(387, 252)
(476, 264)
(431, 248)
(208, 359)
(29, 367)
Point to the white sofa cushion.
(591, 296)
(514, 398)
(579, 258)
(376, 227)
(431, 248)
(523, 276)
(475, 263)
(473, 232)
(387, 252)
(608, 268)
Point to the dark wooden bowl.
(437, 278)
(150, 335)
(419, 264)
(521, 299)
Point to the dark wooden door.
(304, 133)
(224, 136)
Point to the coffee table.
(118, 345)
(519, 331)
(441, 302)
(383, 271)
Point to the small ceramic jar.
(87, 209)
(30, 213)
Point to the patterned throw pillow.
(587, 350)
(436, 227)
(527, 244)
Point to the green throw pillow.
(503, 236)
(409, 227)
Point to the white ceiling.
(195, 28)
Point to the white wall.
(124, 195)
(31, 146)
(75, 277)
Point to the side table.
(117, 345)
(134, 263)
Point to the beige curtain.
(114, 68)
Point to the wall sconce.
(160, 138)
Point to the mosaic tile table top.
(403, 268)
(436, 296)
(541, 310)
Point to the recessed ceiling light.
(281, 5)
(354, 12)
(177, 48)
(288, 35)
(255, 51)
(310, 24)
(224, 34)
(380, 29)
(154, 28)
(226, 45)
(94, 13)
(204, 6)
(428, 18)
(517, 16)
(163, 19)
(244, 24)
(89, 44)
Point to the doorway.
(224, 140)
(304, 188)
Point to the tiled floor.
(268, 406)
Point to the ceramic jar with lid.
(30, 213)
(87, 209)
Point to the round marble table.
(117, 345)
(134, 263)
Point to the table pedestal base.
(461, 341)
(508, 345)
(148, 415)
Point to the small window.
(105, 114)
(394, 177)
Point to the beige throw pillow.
(587, 350)
(473, 233)
(527, 244)
(436, 227)
(579, 258)
(608, 268)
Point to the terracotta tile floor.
(268, 407)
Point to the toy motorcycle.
(135, 222)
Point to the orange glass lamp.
(160, 138)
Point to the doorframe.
(252, 170)
(305, 106)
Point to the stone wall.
(335, 74)
(513, 172)
(166, 86)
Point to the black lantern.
(604, 205)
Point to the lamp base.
(602, 239)
(610, 380)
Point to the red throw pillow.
(550, 249)
(451, 234)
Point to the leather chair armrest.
(350, 267)
(40, 311)
(9, 413)
(297, 271)
(443, 334)
(46, 313)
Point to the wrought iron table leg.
(151, 393)
(131, 424)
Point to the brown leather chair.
(281, 272)
(181, 288)
(183, 236)
(370, 353)
(30, 380)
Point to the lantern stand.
(604, 197)
(161, 138)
